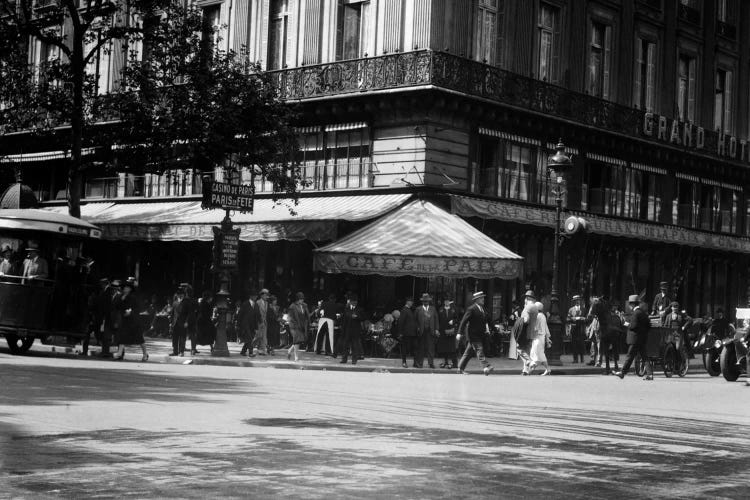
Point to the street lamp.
(558, 165)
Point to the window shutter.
(500, 47)
(637, 73)
(691, 91)
(728, 102)
(607, 56)
(650, 77)
(556, 46)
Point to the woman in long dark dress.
(206, 334)
(129, 332)
(446, 343)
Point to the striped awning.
(41, 156)
(313, 218)
(509, 137)
(345, 126)
(420, 239)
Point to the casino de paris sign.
(237, 197)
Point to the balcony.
(427, 67)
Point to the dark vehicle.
(666, 348)
(44, 276)
(708, 344)
(733, 359)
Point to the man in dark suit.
(661, 300)
(474, 322)
(407, 332)
(427, 330)
(637, 338)
(351, 330)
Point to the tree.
(176, 103)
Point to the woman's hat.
(529, 294)
(264, 291)
(477, 295)
(426, 297)
(634, 299)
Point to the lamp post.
(558, 166)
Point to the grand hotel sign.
(691, 136)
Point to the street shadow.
(62, 385)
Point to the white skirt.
(537, 350)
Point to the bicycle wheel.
(670, 357)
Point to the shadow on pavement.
(31, 385)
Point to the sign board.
(228, 196)
(226, 249)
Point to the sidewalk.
(160, 351)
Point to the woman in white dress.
(541, 340)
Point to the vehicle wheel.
(19, 345)
(711, 362)
(728, 362)
(684, 365)
(670, 360)
(640, 366)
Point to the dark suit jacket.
(330, 309)
(351, 321)
(407, 323)
(475, 322)
(444, 316)
(247, 321)
(427, 321)
(639, 326)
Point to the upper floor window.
(549, 43)
(600, 54)
(644, 85)
(489, 31)
(726, 21)
(690, 10)
(277, 33)
(686, 88)
(723, 101)
(352, 31)
(211, 25)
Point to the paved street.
(91, 428)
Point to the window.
(100, 65)
(488, 31)
(352, 32)
(600, 60)
(277, 34)
(723, 101)
(686, 88)
(686, 206)
(211, 25)
(690, 10)
(644, 87)
(549, 44)
(724, 11)
(337, 159)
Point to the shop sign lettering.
(228, 196)
(691, 136)
(393, 265)
(467, 207)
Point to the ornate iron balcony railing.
(440, 69)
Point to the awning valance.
(419, 239)
(313, 218)
(522, 214)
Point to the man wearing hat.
(427, 330)
(6, 264)
(474, 322)
(111, 318)
(351, 330)
(407, 332)
(35, 266)
(260, 343)
(661, 300)
(638, 327)
(179, 321)
(577, 322)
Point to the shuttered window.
(686, 88)
(644, 85)
(485, 31)
(352, 29)
(277, 34)
(548, 42)
(600, 56)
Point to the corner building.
(462, 101)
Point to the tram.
(45, 277)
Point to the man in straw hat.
(34, 266)
(428, 330)
(475, 324)
(637, 338)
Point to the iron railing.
(433, 68)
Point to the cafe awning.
(419, 239)
(313, 218)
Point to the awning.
(419, 239)
(611, 226)
(313, 218)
